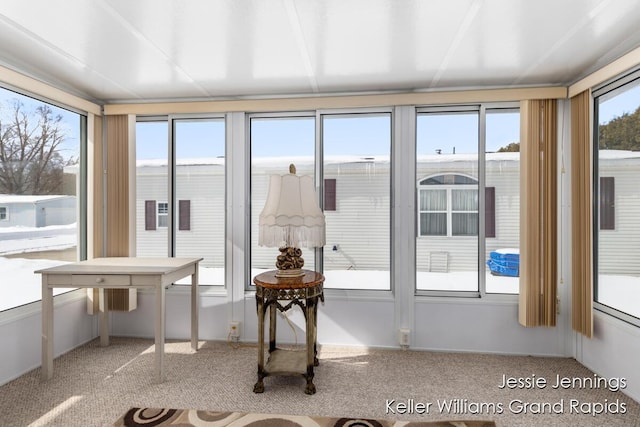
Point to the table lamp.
(291, 219)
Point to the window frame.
(81, 194)
(319, 178)
(293, 115)
(321, 115)
(483, 109)
(173, 204)
(608, 90)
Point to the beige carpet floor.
(94, 386)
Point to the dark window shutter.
(329, 194)
(150, 215)
(490, 212)
(184, 212)
(607, 203)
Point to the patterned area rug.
(190, 417)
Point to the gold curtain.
(116, 236)
(581, 215)
(538, 213)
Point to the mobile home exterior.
(356, 184)
(36, 211)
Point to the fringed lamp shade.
(291, 219)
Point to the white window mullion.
(449, 212)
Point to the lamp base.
(290, 262)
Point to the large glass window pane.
(502, 199)
(199, 203)
(199, 200)
(447, 162)
(618, 199)
(152, 188)
(276, 142)
(40, 192)
(356, 151)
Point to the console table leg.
(259, 386)
(272, 326)
(160, 332)
(316, 362)
(103, 308)
(310, 387)
(47, 330)
(311, 356)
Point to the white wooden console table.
(118, 273)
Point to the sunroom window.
(42, 193)
(180, 188)
(616, 160)
(467, 199)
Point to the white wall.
(20, 333)
(440, 325)
(613, 352)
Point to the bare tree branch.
(30, 159)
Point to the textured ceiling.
(143, 50)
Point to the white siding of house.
(199, 184)
(362, 198)
(619, 249)
(56, 211)
(462, 250)
(151, 184)
(360, 226)
(505, 177)
(38, 211)
(204, 187)
(19, 214)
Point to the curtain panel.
(117, 167)
(581, 215)
(116, 218)
(538, 213)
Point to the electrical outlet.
(234, 329)
(404, 335)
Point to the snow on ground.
(18, 240)
(20, 285)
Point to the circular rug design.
(149, 417)
(268, 420)
(357, 422)
(211, 418)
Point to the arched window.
(448, 205)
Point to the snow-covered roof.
(20, 198)
(618, 154)
(341, 159)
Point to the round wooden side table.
(283, 293)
